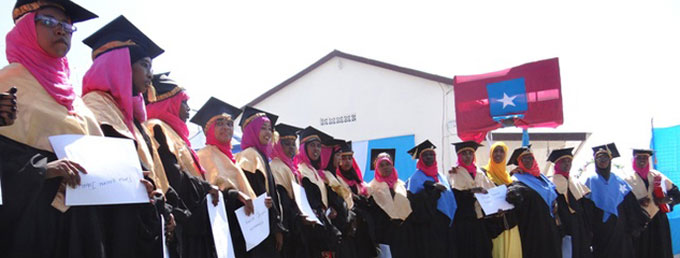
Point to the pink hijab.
(472, 168)
(303, 158)
(279, 153)
(51, 72)
(360, 185)
(392, 179)
(167, 110)
(117, 82)
(643, 172)
(560, 172)
(431, 170)
(251, 137)
(212, 140)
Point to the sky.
(618, 59)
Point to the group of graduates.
(601, 213)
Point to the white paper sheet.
(494, 200)
(220, 228)
(255, 227)
(303, 203)
(166, 252)
(112, 165)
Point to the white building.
(361, 99)
(380, 105)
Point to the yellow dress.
(508, 244)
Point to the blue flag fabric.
(507, 97)
(606, 194)
(446, 203)
(666, 145)
(543, 186)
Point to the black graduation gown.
(31, 227)
(537, 228)
(395, 233)
(257, 181)
(433, 236)
(130, 230)
(614, 238)
(574, 224)
(655, 240)
(471, 233)
(294, 242)
(364, 233)
(344, 221)
(193, 233)
(319, 238)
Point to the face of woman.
(266, 132)
(289, 147)
(565, 164)
(428, 157)
(527, 161)
(184, 111)
(498, 154)
(467, 157)
(602, 160)
(385, 168)
(313, 149)
(641, 161)
(141, 75)
(54, 40)
(346, 162)
(224, 130)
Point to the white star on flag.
(623, 188)
(507, 101)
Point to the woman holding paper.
(33, 215)
(115, 98)
(390, 207)
(324, 240)
(216, 119)
(257, 144)
(469, 226)
(534, 197)
(503, 226)
(168, 112)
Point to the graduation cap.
(310, 134)
(346, 148)
(558, 154)
(423, 146)
(467, 145)
(376, 152)
(162, 88)
(647, 152)
(285, 130)
(250, 113)
(122, 33)
(213, 109)
(72, 10)
(607, 148)
(517, 153)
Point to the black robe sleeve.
(537, 228)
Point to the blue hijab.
(606, 194)
(446, 203)
(542, 186)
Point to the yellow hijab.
(497, 171)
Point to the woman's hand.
(247, 203)
(478, 190)
(170, 227)
(439, 186)
(66, 169)
(215, 193)
(8, 107)
(268, 202)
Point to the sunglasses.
(53, 23)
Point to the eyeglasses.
(53, 23)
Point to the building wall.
(371, 103)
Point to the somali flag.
(666, 144)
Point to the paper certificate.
(112, 165)
(220, 228)
(255, 227)
(303, 203)
(494, 200)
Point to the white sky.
(618, 59)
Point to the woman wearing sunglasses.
(34, 221)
